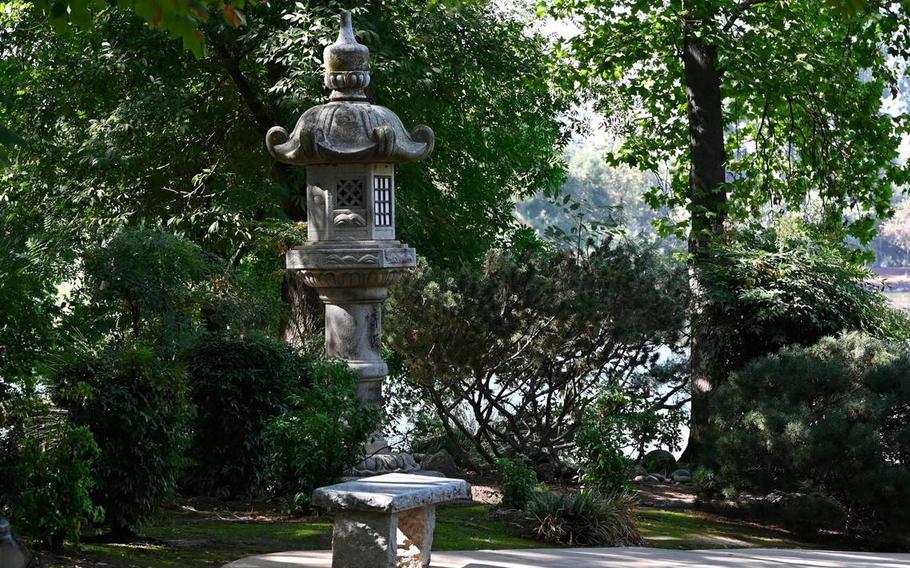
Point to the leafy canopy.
(120, 126)
(801, 80)
(182, 19)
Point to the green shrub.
(136, 408)
(555, 326)
(54, 478)
(237, 385)
(584, 519)
(603, 464)
(45, 464)
(787, 286)
(322, 434)
(517, 480)
(626, 416)
(147, 284)
(832, 419)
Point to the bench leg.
(416, 539)
(362, 539)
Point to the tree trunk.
(303, 320)
(707, 209)
(304, 316)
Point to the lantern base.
(379, 464)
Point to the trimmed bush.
(135, 406)
(517, 480)
(321, 436)
(831, 420)
(237, 385)
(584, 519)
(54, 476)
(45, 464)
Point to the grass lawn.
(190, 540)
(184, 540)
(689, 530)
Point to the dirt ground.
(666, 496)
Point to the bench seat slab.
(391, 493)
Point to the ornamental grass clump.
(585, 518)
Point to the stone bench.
(386, 521)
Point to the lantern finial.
(347, 64)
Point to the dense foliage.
(28, 306)
(55, 504)
(46, 462)
(322, 434)
(237, 385)
(146, 284)
(166, 376)
(135, 407)
(145, 132)
(830, 419)
(788, 285)
(512, 354)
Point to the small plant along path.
(189, 538)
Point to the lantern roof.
(348, 129)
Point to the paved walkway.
(612, 558)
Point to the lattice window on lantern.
(382, 201)
(349, 194)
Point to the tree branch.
(739, 10)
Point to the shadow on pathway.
(613, 558)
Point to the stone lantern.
(349, 147)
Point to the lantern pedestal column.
(353, 332)
(353, 280)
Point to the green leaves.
(53, 468)
(134, 403)
(788, 286)
(830, 420)
(802, 84)
(322, 434)
(182, 19)
(518, 481)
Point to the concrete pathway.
(612, 558)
